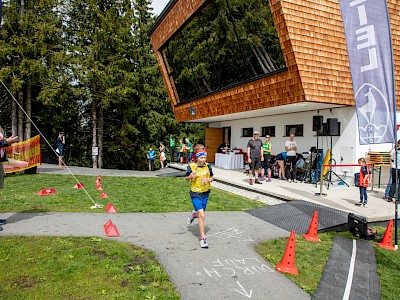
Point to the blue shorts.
(200, 203)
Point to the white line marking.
(243, 291)
(351, 272)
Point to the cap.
(256, 132)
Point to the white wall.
(345, 148)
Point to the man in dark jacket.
(4, 143)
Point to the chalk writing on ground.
(233, 267)
(231, 233)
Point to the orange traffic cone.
(312, 234)
(103, 195)
(387, 241)
(287, 264)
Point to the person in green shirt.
(172, 148)
(266, 164)
(189, 153)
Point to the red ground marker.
(78, 185)
(110, 229)
(110, 208)
(47, 192)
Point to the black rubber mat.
(296, 215)
(364, 282)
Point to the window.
(247, 132)
(296, 129)
(229, 42)
(268, 130)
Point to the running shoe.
(191, 217)
(261, 178)
(359, 203)
(251, 181)
(203, 243)
(258, 182)
(295, 181)
(268, 180)
(365, 205)
(289, 180)
(3, 222)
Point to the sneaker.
(261, 178)
(268, 180)
(295, 181)
(251, 181)
(257, 181)
(289, 180)
(203, 243)
(358, 203)
(365, 205)
(385, 197)
(389, 200)
(3, 222)
(191, 217)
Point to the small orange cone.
(78, 185)
(312, 234)
(287, 264)
(103, 195)
(387, 241)
(98, 180)
(98, 187)
(110, 208)
(47, 192)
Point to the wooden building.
(316, 79)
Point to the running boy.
(363, 182)
(200, 174)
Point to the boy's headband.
(201, 152)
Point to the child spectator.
(363, 182)
(181, 150)
(162, 154)
(200, 174)
(151, 155)
(280, 160)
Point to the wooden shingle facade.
(312, 40)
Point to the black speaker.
(332, 126)
(317, 123)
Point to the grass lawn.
(128, 194)
(79, 268)
(311, 259)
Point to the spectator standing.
(182, 148)
(171, 148)
(389, 184)
(200, 174)
(291, 148)
(363, 182)
(161, 148)
(266, 165)
(395, 171)
(4, 142)
(255, 156)
(280, 160)
(151, 155)
(61, 148)
(189, 148)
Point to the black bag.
(356, 179)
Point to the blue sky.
(159, 5)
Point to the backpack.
(356, 179)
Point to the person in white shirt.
(291, 148)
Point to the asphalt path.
(228, 269)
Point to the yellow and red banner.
(23, 155)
